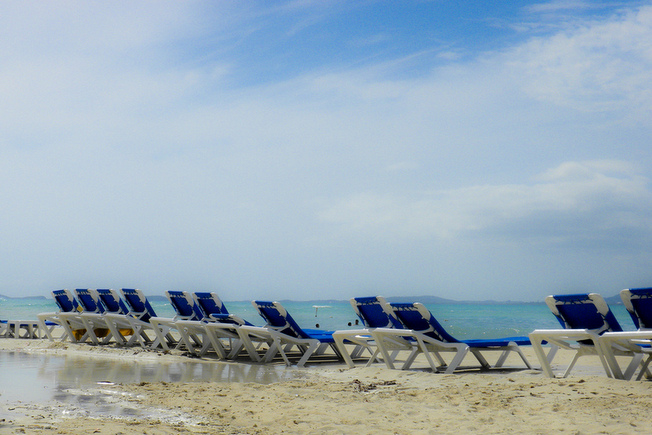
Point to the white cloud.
(595, 67)
(599, 196)
(559, 5)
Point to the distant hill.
(157, 298)
(422, 299)
(614, 300)
(316, 301)
(23, 297)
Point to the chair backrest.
(418, 318)
(138, 304)
(65, 301)
(638, 302)
(214, 309)
(583, 311)
(184, 305)
(210, 303)
(111, 301)
(89, 300)
(371, 313)
(278, 318)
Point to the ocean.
(461, 320)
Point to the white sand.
(329, 398)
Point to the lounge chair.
(127, 329)
(423, 334)
(141, 310)
(638, 302)
(286, 333)
(371, 313)
(117, 318)
(92, 316)
(221, 328)
(584, 318)
(20, 328)
(67, 317)
(185, 309)
(191, 322)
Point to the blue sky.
(326, 149)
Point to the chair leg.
(481, 359)
(544, 359)
(631, 368)
(522, 355)
(571, 365)
(43, 327)
(389, 361)
(644, 369)
(374, 357)
(413, 355)
(308, 353)
(281, 350)
(502, 358)
(457, 359)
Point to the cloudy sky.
(326, 149)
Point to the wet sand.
(330, 398)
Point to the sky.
(326, 149)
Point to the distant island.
(22, 297)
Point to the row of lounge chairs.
(203, 324)
(393, 333)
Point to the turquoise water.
(462, 320)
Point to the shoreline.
(330, 398)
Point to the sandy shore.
(329, 398)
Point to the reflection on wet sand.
(78, 384)
(83, 371)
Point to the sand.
(330, 398)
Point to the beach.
(330, 398)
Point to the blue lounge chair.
(67, 318)
(638, 302)
(92, 316)
(424, 334)
(112, 301)
(285, 333)
(584, 318)
(141, 310)
(191, 320)
(223, 328)
(185, 309)
(120, 322)
(210, 303)
(372, 315)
